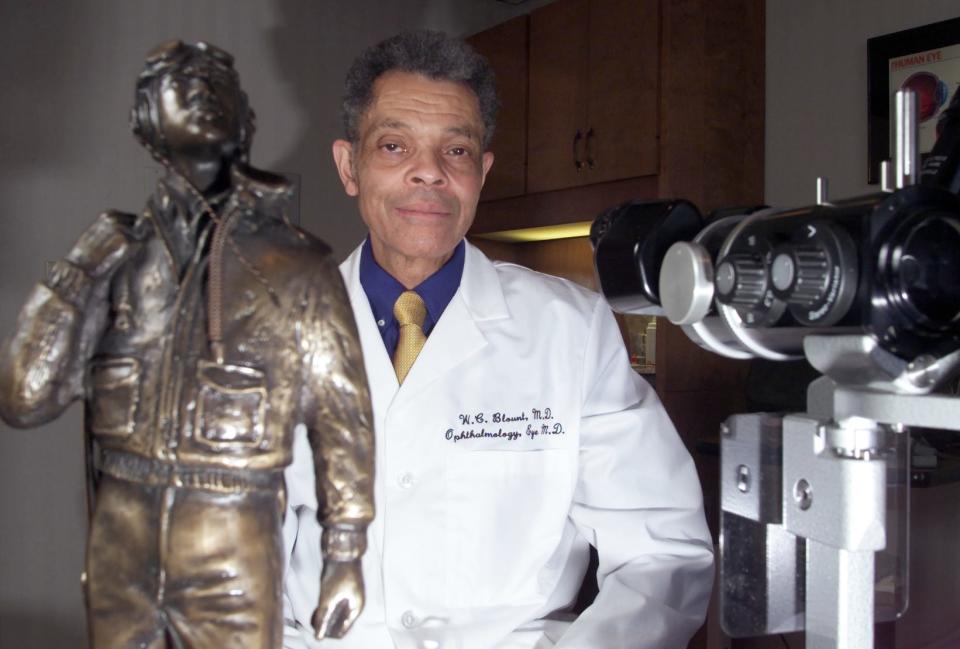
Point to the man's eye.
(458, 151)
(392, 147)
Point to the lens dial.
(815, 273)
(741, 280)
(800, 274)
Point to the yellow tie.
(409, 311)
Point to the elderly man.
(510, 429)
(200, 333)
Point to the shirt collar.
(383, 289)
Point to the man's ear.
(343, 158)
(487, 162)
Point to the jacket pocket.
(231, 406)
(505, 514)
(114, 395)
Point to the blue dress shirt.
(383, 290)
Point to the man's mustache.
(430, 196)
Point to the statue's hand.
(106, 244)
(341, 598)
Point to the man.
(200, 334)
(519, 435)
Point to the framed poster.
(925, 59)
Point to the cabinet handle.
(576, 154)
(591, 162)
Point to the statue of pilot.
(200, 333)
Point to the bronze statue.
(200, 333)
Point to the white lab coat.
(520, 434)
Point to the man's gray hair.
(433, 54)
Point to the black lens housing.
(915, 297)
(630, 242)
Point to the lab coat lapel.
(379, 366)
(458, 335)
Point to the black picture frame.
(880, 50)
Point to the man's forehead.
(391, 124)
(406, 100)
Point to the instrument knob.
(741, 280)
(800, 274)
(686, 283)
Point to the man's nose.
(427, 169)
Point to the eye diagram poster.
(934, 75)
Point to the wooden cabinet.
(594, 69)
(673, 91)
(505, 47)
(712, 102)
(558, 95)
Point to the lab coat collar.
(480, 287)
(454, 339)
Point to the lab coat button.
(405, 480)
(408, 619)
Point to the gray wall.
(817, 89)
(67, 72)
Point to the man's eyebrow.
(391, 123)
(464, 131)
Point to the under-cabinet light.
(544, 233)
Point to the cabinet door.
(505, 47)
(623, 89)
(594, 82)
(559, 57)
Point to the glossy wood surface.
(623, 89)
(559, 61)
(505, 47)
(712, 102)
